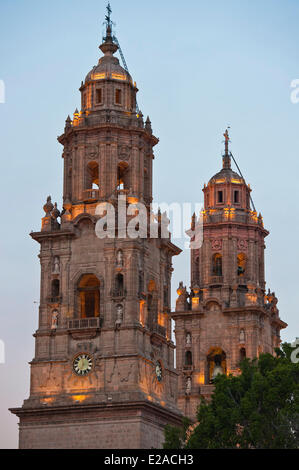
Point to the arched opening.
(123, 176)
(188, 358)
(89, 296)
(242, 354)
(92, 176)
(152, 304)
(140, 283)
(119, 285)
(241, 259)
(216, 363)
(55, 290)
(217, 265)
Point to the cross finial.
(226, 157)
(227, 140)
(226, 136)
(108, 16)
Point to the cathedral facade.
(226, 316)
(103, 375)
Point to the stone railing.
(160, 330)
(215, 280)
(54, 300)
(187, 367)
(243, 218)
(118, 293)
(83, 323)
(91, 195)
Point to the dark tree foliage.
(259, 409)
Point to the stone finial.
(148, 125)
(182, 300)
(68, 122)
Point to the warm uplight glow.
(79, 398)
(117, 76)
(141, 313)
(98, 76)
(229, 212)
(201, 379)
(161, 319)
(236, 181)
(47, 401)
(254, 216)
(133, 200)
(252, 297)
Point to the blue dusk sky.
(200, 66)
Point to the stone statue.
(55, 315)
(242, 336)
(188, 386)
(120, 258)
(56, 265)
(119, 315)
(218, 370)
(188, 338)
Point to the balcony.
(160, 330)
(118, 293)
(91, 195)
(84, 323)
(54, 300)
(188, 368)
(216, 280)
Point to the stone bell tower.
(103, 373)
(227, 315)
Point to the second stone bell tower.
(103, 373)
(227, 315)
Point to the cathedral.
(104, 373)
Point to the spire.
(108, 47)
(226, 156)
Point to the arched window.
(123, 176)
(217, 265)
(152, 303)
(188, 358)
(216, 363)
(241, 264)
(242, 354)
(92, 177)
(89, 296)
(140, 283)
(119, 285)
(55, 290)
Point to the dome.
(226, 174)
(108, 67)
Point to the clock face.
(82, 365)
(159, 371)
